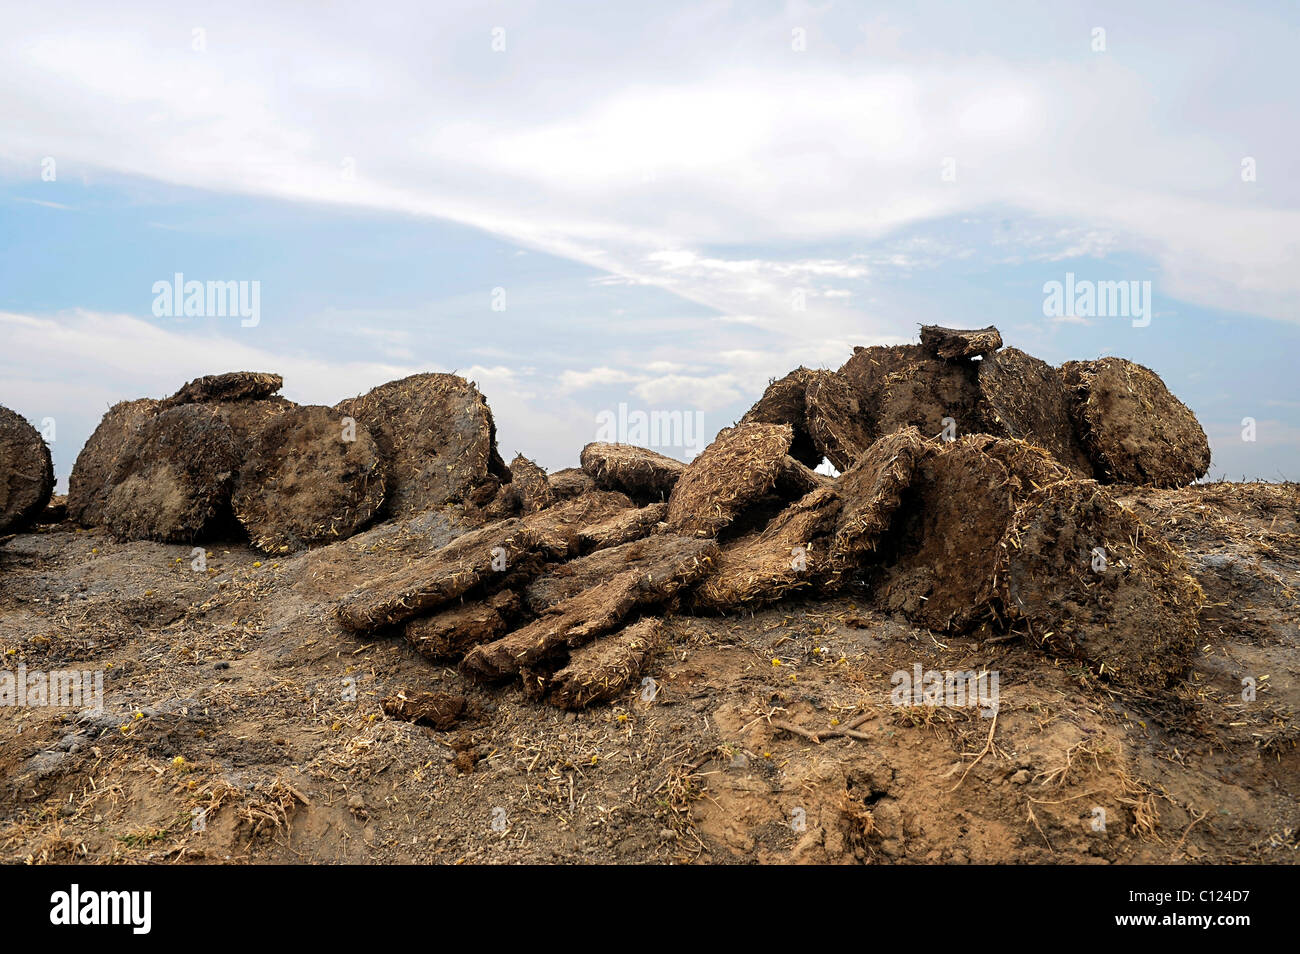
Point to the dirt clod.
(92, 474)
(231, 386)
(955, 343)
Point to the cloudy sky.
(582, 205)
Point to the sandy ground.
(242, 724)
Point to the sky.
(586, 207)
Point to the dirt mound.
(636, 471)
(307, 479)
(906, 385)
(840, 428)
(791, 554)
(447, 635)
(1087, 579)
(872, 491)
(1135, 430)
(955, 343)
(437, 439)
(26, 472)
(739, 467)
(1026, 398)
(231, 386)
(602, 670)
(581, 618)
(172, 482)
(942, 553)
(785, 402)
(92, 474)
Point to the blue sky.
(654, 190)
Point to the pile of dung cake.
(970, 497)
(226, 452)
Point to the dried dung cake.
(448, 634)
(247, 418)
(941, 553)
(953, 344)
(905, 385)
(92, 474)
(840, 429)
(1135, 430)
(570, 482)
(172, 482)
(738, 468)
(26, 472)
(566, 580)
(1087, 579)
(440, 710)
(791, 554)
(785, 402)
(496, 552)
(580, 618)
(1026, 398)
(605, 669)
(796, 480)
(308, 479)
(636, 471)
(622, 527)
(872, 491)
(231, 386)
(437, 439)
(530, 486)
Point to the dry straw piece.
(437, 439)
(172, 481)
(735, 471)
(1135, 430)
(26, 471)
(308, 479)
(642, 474)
